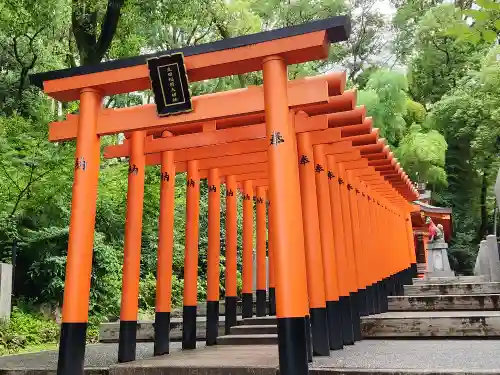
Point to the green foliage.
(423, 156)
(385, 99)
(27, 329)
(483, 23)
(440, 59)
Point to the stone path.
(384, 356)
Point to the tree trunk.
(483, 227)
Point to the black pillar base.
(362, 300)
(370, 300)
(334, 315)
(247, 300)
(261, 309)
(400, 283)
(384, 302)
(189, 327)
(319, 329)
(127, 341)
(414, 270)
(230, 314)
(212, 322)
(292, 346)
(346, 316)
(376, 298)
(162, 333)
(391, 286)
(381, 296)
(356, 319)
(272, 302)
(72, 349)
(309, 340)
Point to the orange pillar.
(231, 254)
(328, 249)
(411, 243)
(247, 293)
(270, 252)
(345, 277)
(312, 243)
(347, 303)
(165, 251)
(260, 203)
(81, 238)
(191, 256)
(213, 268)
(132, 251)
(356, 234)
(291, 283)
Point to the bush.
(26, 329)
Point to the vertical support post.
(247, 293)
(312, 243)
(81, 238)
(231, 256)
(260, 203)
(191, 256)
(353, 205)
(213, 268)
(345, 277)
(132, 251)
(346, 303)
(334, 312)
(165, 252)
(291, 282)
(270, 251)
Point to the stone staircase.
(252, 331)
(460, 307)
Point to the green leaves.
(385, 99)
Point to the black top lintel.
(337, 28)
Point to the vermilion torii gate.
(270, 52)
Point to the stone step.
(451, 280)
(109, 332)
(445, 303)
(201, 308)
(254, 329)
(452, 289)
(437, 324)
(254, 339)
(260, 321)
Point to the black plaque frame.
(170, 84)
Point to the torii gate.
(267, 51)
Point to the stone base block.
(451, 289)
(445, 303)
(432, 324)
(109, 332)
(451, 280)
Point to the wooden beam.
(249, 101)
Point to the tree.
(94, 35)
(468, 118)
(385, 99)
(422, 154)
(440, 60)
(405, 23)
(483, 22)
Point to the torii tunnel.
(300, 151)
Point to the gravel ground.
(420, 355)
(416, 354)
(96, 356)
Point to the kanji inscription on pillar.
(170, 84)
